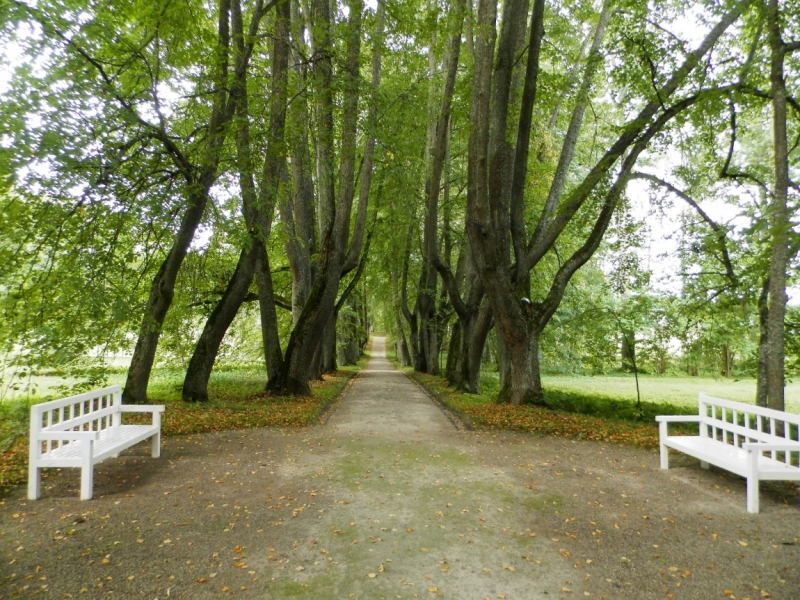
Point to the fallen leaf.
(433, 590)
(202, 579)
(743, 544)
(372, 575)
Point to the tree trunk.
(473, 345)
(195, 383)
(402, 344)
(779, 218)
(761, 375)
(503, 360)
(455, 358)
(628, 350)
(162, 292)
(523, 383)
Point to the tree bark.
(778, 217)
(334, 218)
(195, 383)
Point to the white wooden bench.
(83, 430)
(753, 442)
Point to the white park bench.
(753, 442)
(80, 431)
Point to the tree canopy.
(194, 182)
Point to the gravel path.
(389, 499)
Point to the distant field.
(678, 390)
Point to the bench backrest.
(90, 411)
(736, 423)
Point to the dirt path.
(389, 499)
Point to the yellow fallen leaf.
(226, 589)
(743, 544)
(238, 549)
(445, 567)
(433, 590)
(202, 579)
(727, 592)
(372, 575)
(673, 569)
(508, 568)
(566, 590)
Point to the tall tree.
(493, 195)
(258, 203)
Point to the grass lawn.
(600, 408)
(674, 390)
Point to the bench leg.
(87, 471)
(752, 480)
(752, 495)
(664, 457)
(155, 445)
(34, 482)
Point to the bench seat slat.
(109, 442)
(731, 458)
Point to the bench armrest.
(788, 446)
(678, 418)
(151, 408)
(67, 435)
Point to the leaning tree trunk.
(162, 290)
(195, 383)
(195, 387)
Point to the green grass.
(669, 390)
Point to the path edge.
(459, 421)
(328, 409)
